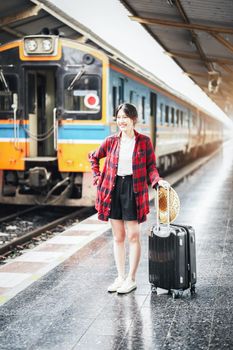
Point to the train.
(57, 103)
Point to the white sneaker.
(127, 286)
(116, 284)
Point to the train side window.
(181, 118)
(121, 90)
(190, 120)
(200, 122)
(173, 116)
(143, 109)
(161, 113)
(132, 97)
(114, 99)
(194, 120)
(82, 97)
(8, 87)
(167, 115)
(178, 117)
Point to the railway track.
(15, 238)
(11, 214)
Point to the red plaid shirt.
(144, 166)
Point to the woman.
(122, 190)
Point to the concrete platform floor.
(69, 307)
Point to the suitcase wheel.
(176, 294)
(193, 290)
(153, 289)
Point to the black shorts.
(123, 204)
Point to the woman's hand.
(164, 183)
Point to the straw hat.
(163, 205)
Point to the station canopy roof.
(198, 35)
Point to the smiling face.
(124, 123)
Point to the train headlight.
(31, 45)
(41, 45)
(47, 45)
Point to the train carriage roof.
(25, 17)
(198, 35)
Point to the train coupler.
(39, 177)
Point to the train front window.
(82, 96)
(8, 87)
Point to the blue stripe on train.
(73, 132)
(7, 131)
(88, 132)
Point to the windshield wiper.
(76, 78)
(4, 81)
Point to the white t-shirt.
(125, 161)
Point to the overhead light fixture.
(170, 2)
(192, 43)
(214, 81)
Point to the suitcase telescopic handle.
(157, 210)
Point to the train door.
(40, 104)
(153, 115)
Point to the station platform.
(68, 307)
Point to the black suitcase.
(172, 258)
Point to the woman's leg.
(119, 234)
(133, 231)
